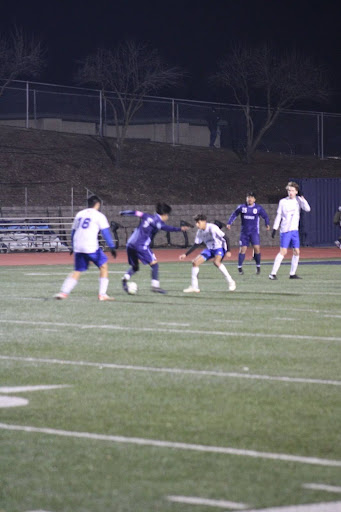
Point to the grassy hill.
(48, 164)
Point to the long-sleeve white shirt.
(211, 236)
(288, 213)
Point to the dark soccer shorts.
(252, 238)
(145, 255)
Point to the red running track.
(163, 255)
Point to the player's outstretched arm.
(191, 249)
(131, 213)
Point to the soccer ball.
(132, 288)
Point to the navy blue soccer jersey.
(150, 224)
(250, 217)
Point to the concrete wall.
(180, 212)
(181, 133)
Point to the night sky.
(192, 34)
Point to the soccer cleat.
(124, 284)
(257, 270)
(157, 289)
(295, 276)
(105, 297)
(61, 296)
(232, 286)
(191, 289)
(273, 277)
(241, 271)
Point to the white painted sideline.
(310, 507)
(191, 500)
(12, 401)
(177, 331)
(322, 487)
(283, 457)
(24, 389)
(180, 371)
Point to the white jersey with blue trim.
(87, 225)
(288, 213)
(211, 236)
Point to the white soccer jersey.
(87, 225)
(211, 236)
(288, 213)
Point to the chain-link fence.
(88, 111)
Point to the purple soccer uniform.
(250, 216)
(138, 244)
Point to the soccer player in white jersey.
(217, 245)
(84, 244)
(288, 216)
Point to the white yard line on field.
(309, 507)
(283, 457)
(228, 321)
(175, 324)
(322, 487)
(287, 319)
(192, 500)
(24, 389)
(168, 331)
(179, 371)
(45, 273)
(12, 401)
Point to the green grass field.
(168, 401)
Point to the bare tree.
(126, 75)
(20, 57)
(277, 81)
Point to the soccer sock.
(294, 264)
(277, 263)
(155, 272)
(103, 285)
(256, 257)
(241, 258)
(224, 271)
(195, 272)
(155, 275)
(68, 285)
